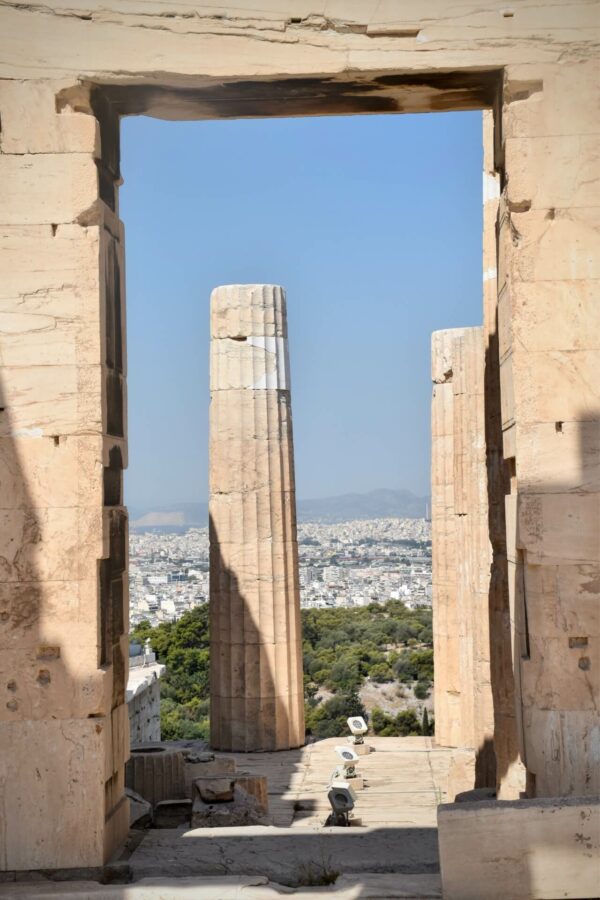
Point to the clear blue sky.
(373, 226)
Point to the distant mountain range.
(379, 504)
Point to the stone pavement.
(405, 780)
(394, 853)
(348, 887)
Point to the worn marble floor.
(405, 780)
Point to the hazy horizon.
(371, 223)
(193, 501)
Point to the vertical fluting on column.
(474, 557)
(447, 684)
(461, 548)
(257, 697)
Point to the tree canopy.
(341, 648)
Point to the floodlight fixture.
(349, 760)
(358, 727)
(341, 799)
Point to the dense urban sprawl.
(349, 564)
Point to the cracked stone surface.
(405, 780)
(347, 887)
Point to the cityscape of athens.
(300, 450)
(346, 564)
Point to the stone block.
(550, 315)
(201, 765)
(31, 124)
(63, 471)
(41, 684)
(244, 809)
(172, 813)
(525, 850)
(59, 187)
(255, 786)
(574, 445)
(554, 386)
(363, 749)
(555, 245)
(561, 673)
(534, 161)
(558, 528)
(52, 400)
(51, 544)
(65, 281)
(562, 601)
(30, 340)
(561, 749)
(563, 100)
(45, 766)
(140, 811)
(53, 614)
(357, 783)
(214, 788)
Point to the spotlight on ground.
(359, 728)
(341, 799)
(349, 760)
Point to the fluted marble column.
(461, 549)
(257, 698)
(447, 684)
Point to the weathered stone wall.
(63, 533)
(552, 846)
(67, 71)
(256, 687)
(143, 703)
(548, 331)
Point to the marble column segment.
(447, 685)
(461, 549)
(257, 698)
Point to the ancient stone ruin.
(515, 465)
(257, 692)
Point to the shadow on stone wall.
(556, 591)
(63, 622)
(493, 762)
(52, 712)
